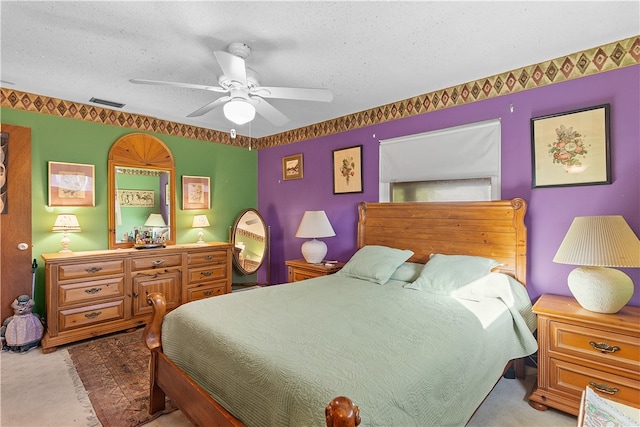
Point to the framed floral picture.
(347, 170)
(196, 193)
(292, 167)
(71, 184)
(571, 148)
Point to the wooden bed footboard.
(167, 379)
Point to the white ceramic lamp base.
(314, 251)
(600, 289)
(65, 244)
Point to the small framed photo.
(292, 167)
(347, 170)
(196, 192)
(71, 184)
(571, 148)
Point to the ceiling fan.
(245, 96)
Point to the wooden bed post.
(341, 412)
(151, 338)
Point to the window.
(453, 163)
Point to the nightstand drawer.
(303, 275)
(572, 378)
(607, 348)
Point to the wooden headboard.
(490, 229)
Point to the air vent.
(105, 102)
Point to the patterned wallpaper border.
(608, 57)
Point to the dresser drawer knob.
(93, 291)
(604, 347)
(604, 388)
(93, 315)
(208, 257)
(157, 262)
(207, 293)
(93, 270)
(205, 273)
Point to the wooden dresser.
(580, 348)
(300, 269)
(98, 292)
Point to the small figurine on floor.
(22, 331)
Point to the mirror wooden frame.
(140, 150)
(234, 231)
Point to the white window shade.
(468, 151)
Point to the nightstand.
(300, 269)
(580, 348)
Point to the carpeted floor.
(114, 371)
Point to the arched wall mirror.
(250, 241)
(141, 192)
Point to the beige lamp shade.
(596, 243)
(155, 220)
(314, 224)
(66, 223)
(200, 221)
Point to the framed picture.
(136, 198)
(195, 192)
(571, 148)
(292, 167)
(347, 170)
(71, 184)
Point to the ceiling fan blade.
(233, 67)
(177, 84)
(268, 111)
(210, 106)
(303, 94)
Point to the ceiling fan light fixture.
(239, 111)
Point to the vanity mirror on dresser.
(99, 292)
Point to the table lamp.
(200, 221)
(314, 224)
(66, 223)
(596, 243)
(155, 220)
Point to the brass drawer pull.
(93, 291)
(93, 315)
(208, 257)
(604, 347)
(157, 262)
(604, 388)
(205, 273)
(207, 293)
(93, 270)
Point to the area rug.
(115, 373)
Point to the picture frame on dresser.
(571, 148)
(71, 184)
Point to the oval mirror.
(141, 191)
(249, 239)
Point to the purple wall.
(550, 210)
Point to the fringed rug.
(115, 373)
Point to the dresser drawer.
(205, 291)
(607, 348)
(572, 378)
(213, 257)
(85, 316)
(74, 293)
(93, 269)
(158, 261)
(214, 272)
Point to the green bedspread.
(276, 356)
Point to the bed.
(384, 341)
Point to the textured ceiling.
(367, 53)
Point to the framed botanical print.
(292, 167)
(71, 184)
(347, 170)
(571, 148)
(195, 192)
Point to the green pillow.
(375, 263)
(407, 272)
(443, 274)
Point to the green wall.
(233, 172)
